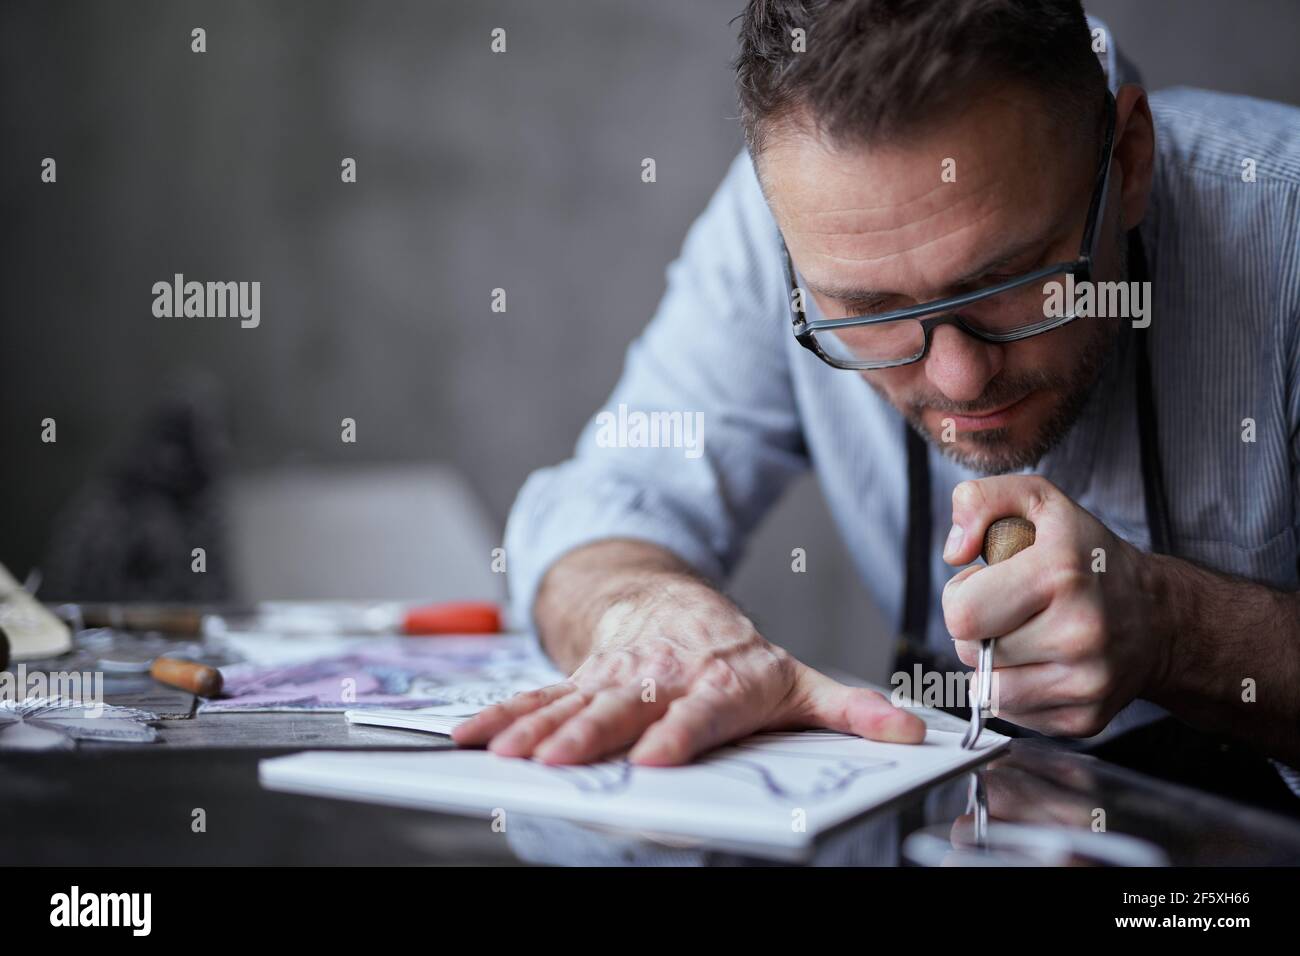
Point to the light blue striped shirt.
(1224, 257)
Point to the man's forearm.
(1232, 656)
(581, 587)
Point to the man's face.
(872, 228)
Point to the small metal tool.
(1004, 538)
(977, 805)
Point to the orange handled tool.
(453, 617)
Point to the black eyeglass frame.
(1081, 268)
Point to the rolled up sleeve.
(715, 351)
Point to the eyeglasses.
(1006, 312)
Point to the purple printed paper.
(386, 672)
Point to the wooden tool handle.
(1005, 537)
(196, 678)
(169, 620)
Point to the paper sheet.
(434, 720)
(777, 790)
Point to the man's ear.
(1135, 150)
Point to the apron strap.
(920, 534)
(1153, 479)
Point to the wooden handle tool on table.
(187, 675)
(1004, 538)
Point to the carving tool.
(196, 678)
(166, 661)
(1004, 538)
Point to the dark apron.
(1166, 748)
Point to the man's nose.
(959, 365)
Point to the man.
(997, 153)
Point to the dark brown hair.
(874, 68)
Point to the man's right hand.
(673, 669)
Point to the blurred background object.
(475, 171)
(403, 532)
(131, 531)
